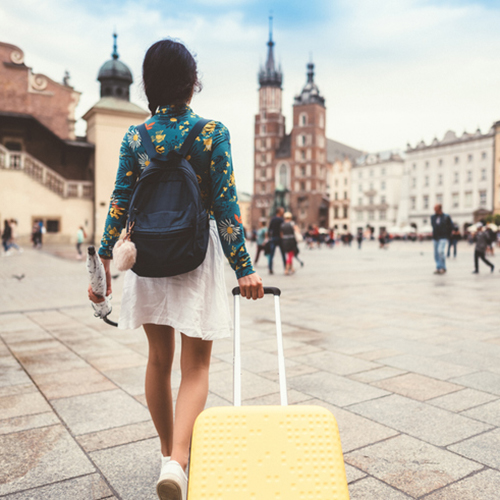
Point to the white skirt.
(193, 303)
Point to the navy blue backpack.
(167, 220)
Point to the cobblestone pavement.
(408, 362)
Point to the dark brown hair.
(169, 74)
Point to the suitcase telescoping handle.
(237, 345)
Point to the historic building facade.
(456, 172)
(46, 172)
(293, 170)
(376, 191)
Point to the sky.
(392, 71)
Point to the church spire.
(310, 93)
(269, 76)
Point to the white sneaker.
(172, 484)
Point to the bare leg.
(158, 382)
(193, 391)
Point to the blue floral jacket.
(210, 157)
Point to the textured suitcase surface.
(267, 452)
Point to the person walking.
(274, 235)
(194, 303)
(288, 242)
(442, 226)
(6, 237)
(359, 238)
(452, 242)
(260, 239)
(482, 242)
(80, 237)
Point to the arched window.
(283, 176)
(303, 119)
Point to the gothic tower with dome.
(107, 122)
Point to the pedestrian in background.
(452, 242)
(359, 238)
(260, 238)
(482, 242)
(80, 236)
(274, 235)
(442, 227)
(6, 237)
(288, 242)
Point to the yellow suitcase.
(266, 452)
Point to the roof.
(116, 104)
(310, 93)
(338, 151)
(285, 147)
(269, 75)
(115, 69)
(380, 157)
(451, 138)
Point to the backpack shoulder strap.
(147, 141)
(195, 131)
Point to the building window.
(440, 162)
(483, 155)
(302, 186)
(283, 176)
(439, 199)
(371, 172)
(370, 200)
(414, 182)
(457, 159)
(454, 200)
(382, 215)
(414, 166)
(426, 180)
(456, 177)
(262, 188)
(371, 186)
(469, 158)
(382, 199)
(482, 198)
(468, 199)
(371, 215)
(425, 202)
(262, 129)
(263, 158)
(426, 164)
(483, 174)
(263, 143)
(440, 179)
(413, 203)
(359, 216)
(303, 171)
(382, 171)
(469, 175)
(303, 155)
(382, 185)
(336, 213)
(303, 119)
(263, 212)
(361, 188)
(346, 212)
(360, 201)
(345, 181)
(336, 197)
(360, 174)
(52, 225)
(345, 195)
(303, 140)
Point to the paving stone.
(100, 411)
(256, 361)
(417, 386)
(482, 381)
(427, 366)
(489, 413)
(334, 389)
(294, 397)
(12, 372)
(431, 424)
(39, 456)
(16, 389)
(253, 385)
(352, 473)
(376, 374)
(339, 364)
(410, 465)
(131, 469)
(115, 360)
(462, 400)
(483, 448)
(371, 489)
(25, 422)
(130, 379)
(117, 436)
(376, 354)
(63, 384)
(64, 360)
(23, 404)
(355, 431)
(91, 487)
(40, 346)
(482, 486)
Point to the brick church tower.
(269, 132)
(308, 152)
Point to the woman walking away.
(289, 242)
(194, 303)
(482, 240)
